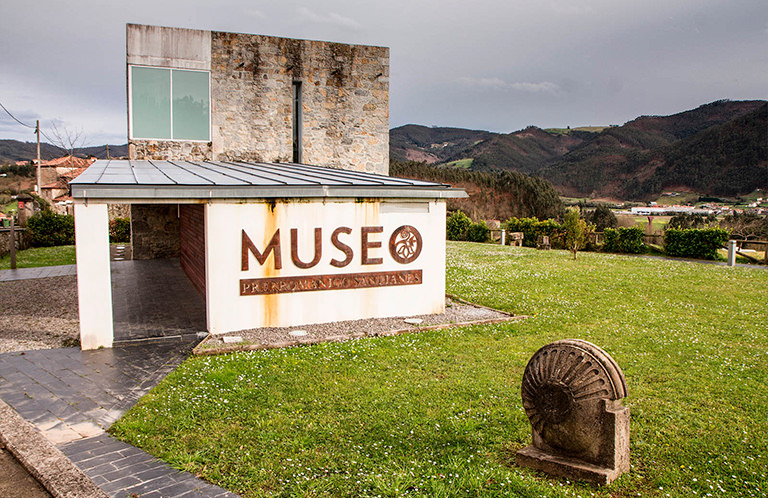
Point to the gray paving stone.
(41, 272)
(68, 392)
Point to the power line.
(15, 118)
(50, 140)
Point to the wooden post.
(39, 186)
(12, 244)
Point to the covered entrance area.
(259, 244)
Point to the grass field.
(40, 256)
(566, 131)
(460, 163)
(439, 413)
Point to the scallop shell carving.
(563, 375)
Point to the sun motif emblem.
(405, 244)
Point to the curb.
(202, 350)
(42, 459)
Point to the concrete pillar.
(731, 253)
(503, 237)
(94, 283)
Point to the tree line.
(495, 195)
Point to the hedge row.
(47, 228)
(532, 229)
(459, 226)
(120, 230)
(701, 243)
(628, 240)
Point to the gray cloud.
(331, 18)
(484, 64)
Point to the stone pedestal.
(572, 393)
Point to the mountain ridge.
(634, 161)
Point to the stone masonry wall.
(345, 98)
(155, 231)
(192, 244)
(19, 237)
(165, 150)
(345, 101)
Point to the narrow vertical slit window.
(296, 88)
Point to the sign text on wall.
(405, 245)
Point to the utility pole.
(107, 151)
(37, 130)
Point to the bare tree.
(68, 139)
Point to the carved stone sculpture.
(572, 393)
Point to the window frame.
(131, 135)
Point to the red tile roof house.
(57, 192)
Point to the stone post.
(731, 253)
(503, 237)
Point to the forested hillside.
(717, 149)
(497, 195)
(431, 145)
(15, 150)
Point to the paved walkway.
(154, 299)
(151, 300)
(40, 272)
(73, 396)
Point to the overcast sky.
(494, 65)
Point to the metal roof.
(146, 180)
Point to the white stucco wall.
(94, 284)
(228, 311)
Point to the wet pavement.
(73, 396)
(154, 299)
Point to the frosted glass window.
(170, 104)
(190, 105)
(151, 102)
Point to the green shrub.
(478, 232)
(627, 240)
(576, 231)
(456, 226)
(47, 228)
(120, 230)
(533, 228)
(695, 243)
(459, 226)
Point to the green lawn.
(439, 413)
(40, 256)
(11, 206)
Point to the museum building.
(261, 162)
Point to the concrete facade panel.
(228, 310)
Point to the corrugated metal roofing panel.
(147, 173)
(120, 179)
